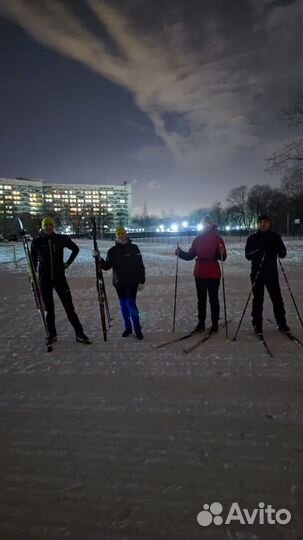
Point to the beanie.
(47, 221)
(120, 230)
(208, 219)
(264, 217)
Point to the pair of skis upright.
(35, 285)
(100, 285)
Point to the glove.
(141, 287)
(96, 253)
(177, 251)
(66, 265)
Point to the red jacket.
(205, 248)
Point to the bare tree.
(217, 213)
(289, 159)
(237, 198)
(258, 200)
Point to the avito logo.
(262, 515)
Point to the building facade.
(71, 204)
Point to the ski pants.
(271, 282)
(210, 286)
(130, 313)
(62, 289)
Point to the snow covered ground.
(119, 441)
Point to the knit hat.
(47, 221)
(120, 231)
(264, 217)
(208, 219)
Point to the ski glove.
(96, 253)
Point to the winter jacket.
(127, 264)
(47, 252)
(269, 243)
(205, 248)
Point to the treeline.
(243, 206)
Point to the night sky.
(180, 98)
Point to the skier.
(47, 252)
(268, 244)
(207, 248)
(128, 277)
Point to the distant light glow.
(227, 228)
(185, 224)
(174, 227)
(200, 227)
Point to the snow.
(120, 441)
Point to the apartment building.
(70, 203)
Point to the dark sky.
(180, 98)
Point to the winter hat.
(264, 217)
(120, 231)
(208, 219)
(47, 221)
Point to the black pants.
(210, 286)
(61, 287)
(272, 285)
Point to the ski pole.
(175, 297)
(223, 288)
(248, 299)
(291, 294)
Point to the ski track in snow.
(119, 441)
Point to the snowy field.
(120, 441)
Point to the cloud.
(202, 100)
(153, 184)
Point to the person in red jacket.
(207, 249)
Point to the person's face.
(264, 225)
(48, 229)
(122, 237)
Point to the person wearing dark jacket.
(47, 251)
(128, 277)
(262, 249)
(207, 249)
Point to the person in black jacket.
(262, 249)
(128, 277)
(47, 251)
